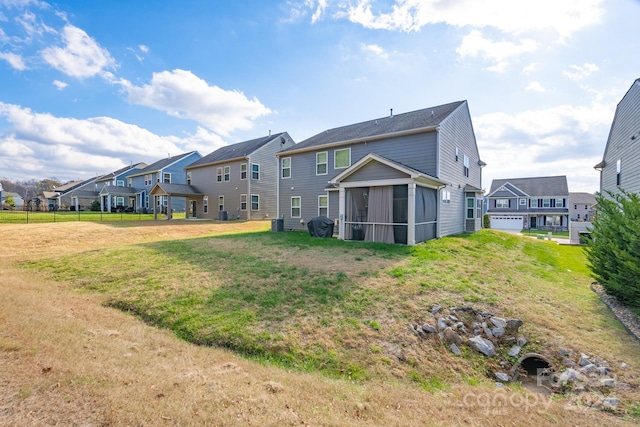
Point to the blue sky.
(87, 87)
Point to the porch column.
(341, 213)
(155, 207)
(411, 222)
(169, 216)
(75, 199)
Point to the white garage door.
(506, 222)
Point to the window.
(502, 203)
(255, 202)
(523, 202)
(158, 177)
(227, 173)
(559, 203)
(533, 203)
(446, 197)
(205, 204)
(189, 178)
(286, 167)
(120, 183)
(243, 202)
(130, 182)
(456, 154)
(342, 158)
(323, 205)
(243, 171)
(470, 207)
(255, 171)
(119, 201)
(546, 203)
(219, 174)
(146, 202)
(166, 178)
(575, 206)
(220, 203)
(578, 216)
(586, 207)
(321, 163)
(296, 204)
(147, 180)
(466, 166)
(618, 169)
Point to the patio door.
(192, 209)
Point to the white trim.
(335, 167)
(251, 207)
(325, 207)
(282, 168)
(326, 163)
(299, 207)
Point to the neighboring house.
(82, 199)
(581, 206)
(168, 171)
(238, 181)
(521, 203)
(17, 198)
(64, 200)
(403, 178)
(620, 165)
(115, 190)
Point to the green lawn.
(25, 217)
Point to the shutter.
(509, 202)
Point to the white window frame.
(285, 167)
(205, 204)
(257, 202)
(502, 203)
(219, 174)
(130, 182)
(546, 203)
(561, 203)
(618, 172)
(220, 203)
(466, 166)
(120, 183)
(533, 203)
(523, 202)
(243, 171)
(298, 207)
(119, 201)
(471, 208)
(255, 174)
(325, 163)
(243, 202)
(227, 173)
(446, 197)
(188, 177)
(335, 158)
(166, 178)
(325, 206)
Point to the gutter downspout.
(249, 174)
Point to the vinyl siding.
(205, 180)
(457, 131)
(626, 124)
(416, 151)
(375, 171)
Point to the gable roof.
(381, 127)
(534, 187)
(234, 151)
(113, 174)
(177, 190)
(582, 198)
(161, 164)
(76, 185)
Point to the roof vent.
(432, 113)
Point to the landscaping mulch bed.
(629, 319)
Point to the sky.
(88, 87)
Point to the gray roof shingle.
(425, 117)
(536, 186)
(154, 167)
(234, 151)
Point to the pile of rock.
(479, 330)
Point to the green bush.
(486, 221)
(95, 206)
(614, 250)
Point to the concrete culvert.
(535, 367)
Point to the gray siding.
(205, 179)
(373, 171)
(620, 146)
(457, 131)
(416, 151)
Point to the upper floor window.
(321, 163)
(323, 205)
(147, 180)
(546, 203)
(130, 182)
(120, 183)
(189, 178)
(575, 206)
(296, 204)
(586, 207)
(523, 202)
(466, 166)
(219, 174)
(286, 167)
(502, 203)
(618, 169)
(342, 158)
(457, 154)
(243, 171)
(255, 171)
(446, 197)
(166, 177)
(559, 203)
(227, 173)
(533, 203)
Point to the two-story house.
(529, 203)
(238, 181)
(169, 171)
(403, 178)
(620, 165)
(82, 198)
(582, 206)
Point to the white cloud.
(81, 56)
(564, 140)
(322, 5)
(60, 85)
(475, 44)
(581, 71)
(535, 87)
(531, 68)
(375, 50)
(562, 16)
(143, 48)
(14, 60)
(182, 94)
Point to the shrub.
(95, 206)
(486, 221)
(614, 250)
